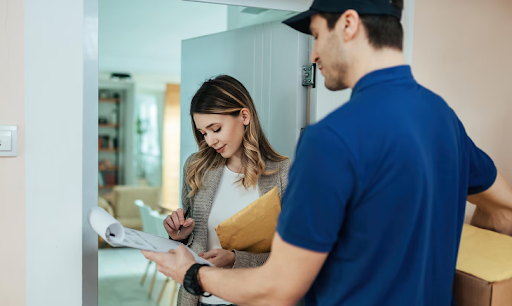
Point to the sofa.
(120, 203)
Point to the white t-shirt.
(230, 198)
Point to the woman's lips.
(221, 149)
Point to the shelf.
(108, 125)
(109, 100)
(108, 168)
(106, 187)
(108, 150)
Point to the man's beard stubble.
(336, 80)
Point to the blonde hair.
(225, 95)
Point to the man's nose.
(314, 55)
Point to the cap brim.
(301, 21)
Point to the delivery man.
(374, 208)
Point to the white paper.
(117, 235)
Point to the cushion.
(125, 196)
(133, 223)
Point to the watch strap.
(191, 282)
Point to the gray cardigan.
(201, 204)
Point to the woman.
(234, 166)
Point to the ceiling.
(144, 37)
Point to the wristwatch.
(191, 283)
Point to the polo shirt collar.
(381, 76)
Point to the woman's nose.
(211, 140)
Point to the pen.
(186, 215)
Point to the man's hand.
(494, 207)
(172, 224)
(220, 258)
(282, 280)
(173, 264)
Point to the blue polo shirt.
(381, 184)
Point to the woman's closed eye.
(215, 131)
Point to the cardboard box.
(470, 290)
(484, 269)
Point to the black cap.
(301, 21)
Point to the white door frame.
(408, 24)
(90, 151)
(282, 5)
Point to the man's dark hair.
(383, 30)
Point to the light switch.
(5, 140)
(8, 140)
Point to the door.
(266, 58)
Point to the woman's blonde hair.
(225, 95)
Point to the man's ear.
(349, 25)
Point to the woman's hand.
(220, 258)
(172, 224)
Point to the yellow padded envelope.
(485, 254)
(252, 228)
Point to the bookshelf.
(112, 150)
(109, 145)
(103, 168)
(116, 137)
(109, 100)
(106, 187)
(107, 125)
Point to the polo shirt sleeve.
(482, 171)
(321, 184)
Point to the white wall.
(465, 56)
(12, 180)
(59, 152)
